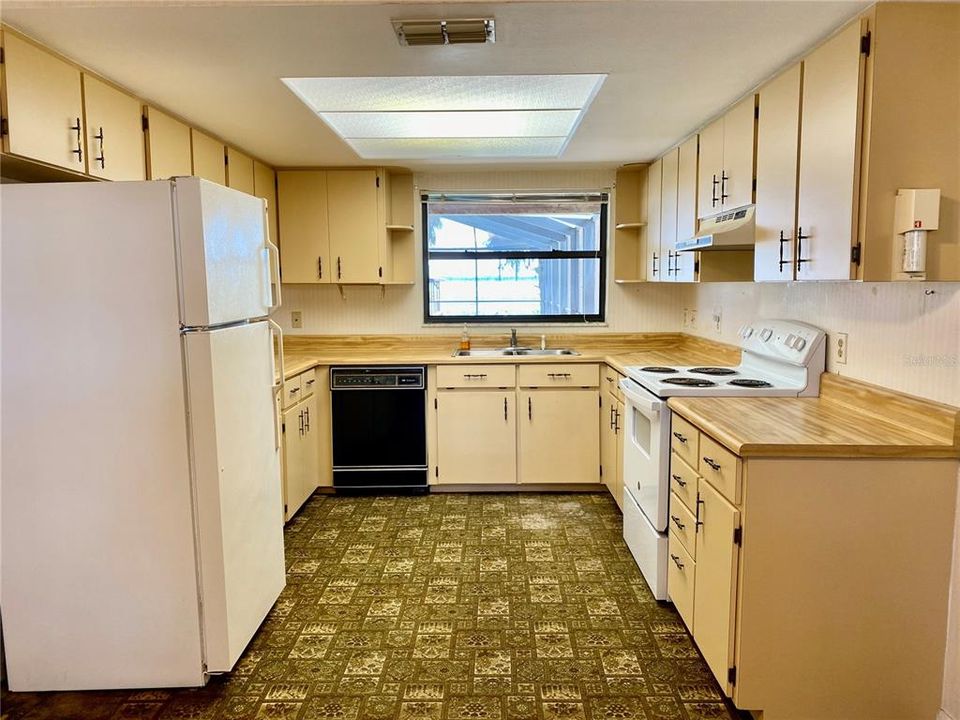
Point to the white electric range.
(780, 358)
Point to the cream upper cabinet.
(265, 186)
(476, 437)
(778, 137)
(114, 123)
(355, 206)
(726, 160)
(555, 444)
(303, 224)
(209, 160)
(653, 258)
(240, 171)
(830, 131)
(684, 262)
(44, 105)
(668, 211)
(168, 146)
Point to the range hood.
(734, 230)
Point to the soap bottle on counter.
(465, 339)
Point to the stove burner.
(750, 383)
(689, 382)
(659, 369)
(713, 371)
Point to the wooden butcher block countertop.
(618, 350)
(849, 419)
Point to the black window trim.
(600, 254)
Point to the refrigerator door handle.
(276, 332)
(273, 276)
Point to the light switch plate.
(296, 319)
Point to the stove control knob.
(746, 332)
(790, 341)
(800, 344)
(766, 334)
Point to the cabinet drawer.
(683, 524)
(566, 375)
(611, 382)
(683, 482)
(680, 577)
(470, 376)
(308, 383)
(685, 440)
(292, 391)
(721, 467)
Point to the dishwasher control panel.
(377, 378)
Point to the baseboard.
(572, 487)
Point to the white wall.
(399, 309)
(904, 336)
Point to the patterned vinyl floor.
(444, 607)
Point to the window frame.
(599, 254)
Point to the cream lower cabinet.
(476, 437)
(557, 441)
(307, 452)
(791, 573)
(611, 435)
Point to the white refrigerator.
(142, 512)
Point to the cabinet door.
(609, 457)
(356, 222)
(265, 186)
(114, 132)
(239, 171)
(684, 262)
(312, 428)
(168, 146)
(44, 105)
(710, 167)
(714, 600)
(555, 444)
(302, 216)
(654, 183)
(829, 157)
(668, 211)
(320, 426)
(208, 157)
(778, 135)
(294, 462)
(739, 145)
(476, 437)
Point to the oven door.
(646, 452)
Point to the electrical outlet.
(717, 317)
(689, 319)
(840, 348)
(296, 319)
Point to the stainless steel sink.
(512, 352)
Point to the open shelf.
(399, 248)
(400, 228)
(629, 237)
(630, 225)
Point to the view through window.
(514, 257)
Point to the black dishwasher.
(379, 418)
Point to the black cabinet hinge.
(435, 404)
(756, 112)
(754, 184)
(283, 427)
(855, 254)
(601, 471)
(1, 56)
(284, 508)
(737, 536)
(380, 271)
(865, 44)
(378, 181)
(436, 471)
(696, 266)
(601, 400)
(4, 128)
(144, 122)
(732, 675)
(226, 158)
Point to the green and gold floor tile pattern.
(518, 606)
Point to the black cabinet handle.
(616, 422)
(558, 375)
(711, 462)
(655, 271)
(339, 273)
(504, 409)
(320, 268)
(306, 422)
(301, 422)
(676, 521)
(781, 261)
(800, 238)
(530, 408)
(79, 151)
(723, 186)
(680, 437)
(476, 376)
(679, 480)
(100, 158)
(676, 561)
(698, 522)
(713, 192)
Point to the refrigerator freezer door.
(99, 565)
(238, 488)
(225, 263)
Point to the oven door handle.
(646, 403)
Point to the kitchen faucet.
(513, 337)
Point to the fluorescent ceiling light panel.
(425, 117)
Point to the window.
(514, 257)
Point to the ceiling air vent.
(444, 32)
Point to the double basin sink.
(513, 352)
